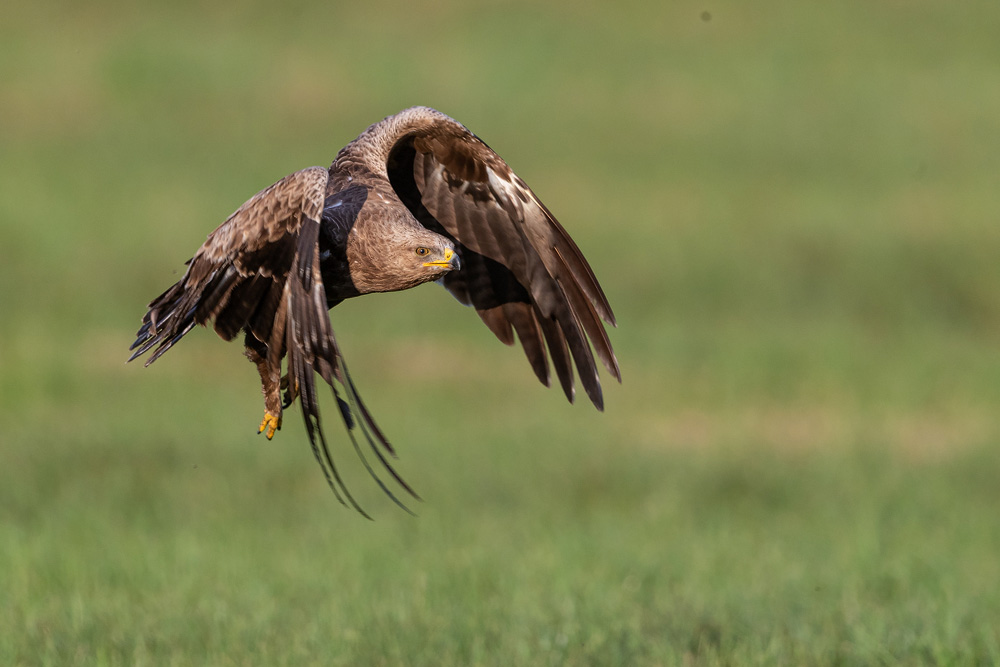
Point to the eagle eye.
(422, 251)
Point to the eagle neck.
(368, 155)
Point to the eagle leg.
(270, 380)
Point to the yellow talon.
(270, 424)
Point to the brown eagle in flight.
(416, 197)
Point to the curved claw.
(269, 425)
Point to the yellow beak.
(450, 260)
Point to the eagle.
(415, 198)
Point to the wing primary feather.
(345, 412)
(352, 424)
(321, 450)
(296, 374)
(580, 350)
(580, 268)
(166, 345)
(326, 453)
(495, 320)
(160, 326)
(587, 316)
(339, 370)
(303, 374)
(371, 472)
(146, 344)
(380, 436)
(556, 342)
(351, 392)
(522, 317)
(355, 399)
(141, 336)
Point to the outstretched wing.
(260, 271)
(521, 271)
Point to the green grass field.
(793, 209)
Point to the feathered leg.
(270, 380)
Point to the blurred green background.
(793, 209)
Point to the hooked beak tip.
(451, 261)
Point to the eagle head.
(401, 260)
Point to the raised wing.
(521, 271)
(260, 271)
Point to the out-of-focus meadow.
(793, 210)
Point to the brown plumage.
(413, 199)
